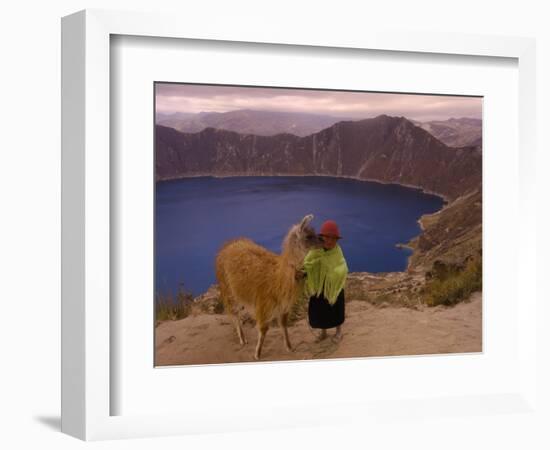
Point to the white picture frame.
(86, 220)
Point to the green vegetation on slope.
(448, 287)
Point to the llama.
(266, 283)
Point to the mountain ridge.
(453, 132)
(385, 148)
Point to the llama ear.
(305, 221)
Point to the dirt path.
(368, 331)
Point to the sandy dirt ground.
(368, 331)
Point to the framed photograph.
(239, 244)
(250, 208)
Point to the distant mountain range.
(452, 132)
(246, 121)
(386, 149)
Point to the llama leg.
(229, 306)
(240, 333)
(283, 320)
(262, 330)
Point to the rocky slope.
(450, 235)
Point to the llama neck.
(289, 286)
(291, 255)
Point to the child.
(326, 271)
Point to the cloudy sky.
(189, 98)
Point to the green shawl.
(325, 268)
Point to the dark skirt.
(324, 315)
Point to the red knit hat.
(329, 228)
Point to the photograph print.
(306, 224)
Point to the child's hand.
(300, 274)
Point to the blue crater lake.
(195, 216)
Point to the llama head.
(300, 239)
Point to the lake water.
(194, 216)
